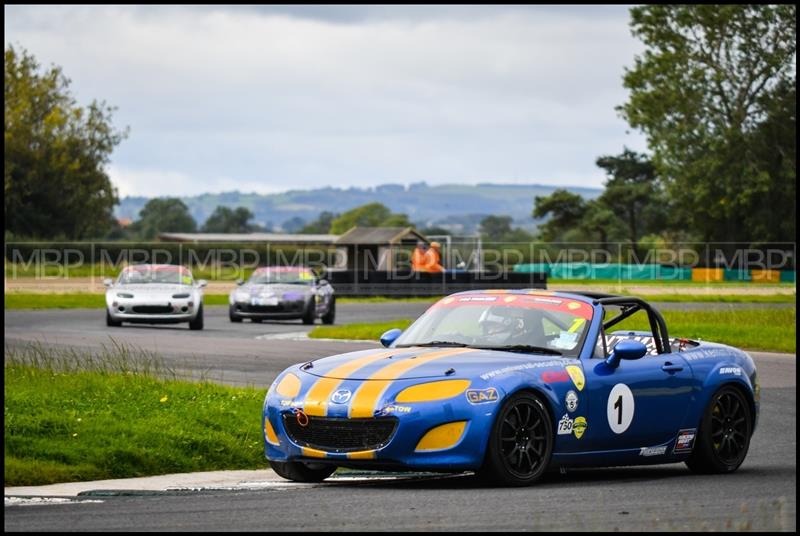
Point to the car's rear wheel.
(303, 472)
(330, 316)
(724, 435)
(197, 322)
(232, 314)
(110, 322)
(520, 444)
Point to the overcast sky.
(269, 99)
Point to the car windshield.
(537, 324)
(168, 274)
(293, 276)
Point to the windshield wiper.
(522, 348)
(436, 343)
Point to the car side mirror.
(390, 336)
(202, 283)
(626, 349)
(108, 282)
(240, 282)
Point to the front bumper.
(285, 309)
(399, 452)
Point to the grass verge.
(364, 331)
(768, 329)
(77, 417)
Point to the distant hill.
(458, 208)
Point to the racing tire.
(197, 322)
(330, 317)
(232, 315)
(724, 434)
(302, 472)
(520, 443)
(110, 322)
(309, 313)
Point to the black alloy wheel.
(521, 443)
(724, 435)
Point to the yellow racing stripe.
(368, 394)
(314, 453)
(316, 401)
(362, 455)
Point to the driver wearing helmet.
(502, 326)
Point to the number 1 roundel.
(620, 408)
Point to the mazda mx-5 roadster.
(155, 294)
(511, 383)
(283, 292)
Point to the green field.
(73, 417)
(768, 329)
(363, 331)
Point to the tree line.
(714, 92)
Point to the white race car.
(155, 294)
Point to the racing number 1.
(620, 408)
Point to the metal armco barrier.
(411, 284)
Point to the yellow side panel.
(442, 437)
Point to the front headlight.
(124, 295)
(240, 295)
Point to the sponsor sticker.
(395, 409)
(653, 451)
(736, 371)
(685, 440)
(580, 426)
(576, 374)
(482, 396)
(571, 401)
(565, 425)
(555, 376)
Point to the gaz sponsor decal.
(576, 374)
(685, 440)
(653, 451)
(736, 371)
(482, 396)
(571, 401)
(580, 426)
(565, 425)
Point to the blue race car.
(511, 383)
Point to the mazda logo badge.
(341, 396)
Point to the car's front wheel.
(330, 316)
(303, 472)
(520, 444)
(310, 313)
(197, 322)
(110, 322)
(724, 435)
(232, 314)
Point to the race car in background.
(155, 294)
(511, 383)
(283, 292)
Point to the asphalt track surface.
(760, 496)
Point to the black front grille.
(280, 308)
(152, 309)
(340, 435)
